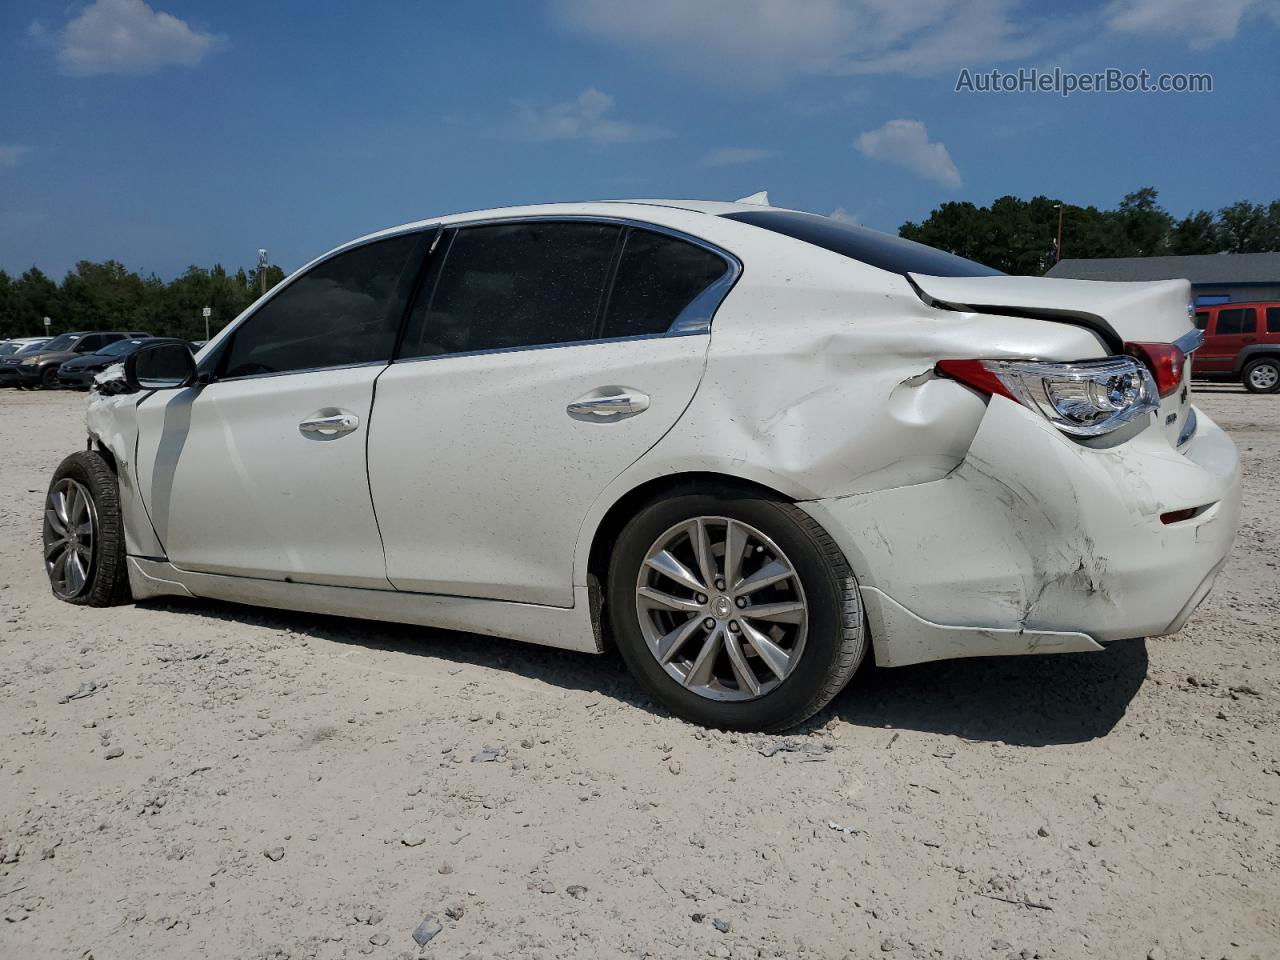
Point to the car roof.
(595, 208)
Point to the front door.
(261, 473)
(1232, 329)
(541, 360)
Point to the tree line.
(1018, 236)
(108, 296)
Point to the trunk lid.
(1153, 312)
(1118, 312)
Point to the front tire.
(1262, 375)
(84, 533)
(49, 378)
(735, 611)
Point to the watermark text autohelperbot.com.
(1065, 83)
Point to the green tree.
(1195, 233)
(1244, 227)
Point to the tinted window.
(512, 285)
(1235, 321)
(1202, 320)
(868, 246)
(121, 347)
(344, 311)
(658, 276)
(93, 342)
(61, 343)
(1273, 319)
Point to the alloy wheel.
(70, 537)
(1264, 376)
(721, 608)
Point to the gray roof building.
(1215, 277)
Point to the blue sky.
(180, 131)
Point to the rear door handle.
(606, 404)
(330, 426)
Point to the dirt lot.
(300, 786)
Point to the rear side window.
(513, 285)
(343, 311)
(1236, 321)
(1273, 319)
(658, 276)
(1202, 319)
(867, 246)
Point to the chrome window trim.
(290, 373)
(694, 319)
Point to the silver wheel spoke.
(788, 611)
(775, 658)
(55, 522)
(735, 545)
(700, 673)
(775, 571)
(667, 565)
(53, 549)
(656, 598)
(670, 644)
(60, 506)
(701, 538)
(741, 669)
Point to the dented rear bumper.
(1035, 543)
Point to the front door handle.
(329, 426)
(607, 404)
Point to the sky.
(177, 132)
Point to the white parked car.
(745, 444)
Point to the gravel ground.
(195, 779)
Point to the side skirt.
(566, 628)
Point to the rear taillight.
(1164, 360)
(1086, 398)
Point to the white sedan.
(746, 445)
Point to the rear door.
(541, 359)
(262, 473)
(1230, 331)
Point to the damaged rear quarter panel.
(825, 386)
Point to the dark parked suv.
(41, 368)
(1241, 342)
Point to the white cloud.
(764, 42)
(127, 36)
(11, 155)
(1201, 23)
(844, 216)
(906, 144)
(729, 156)
(586, 117)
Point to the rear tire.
(49, 378)
(84, 547)
(1262, 375)
(771, 671)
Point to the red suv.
(1241, 340)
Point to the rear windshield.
(867, 246)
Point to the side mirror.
(160, 366)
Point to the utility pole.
(262, 271)
(1057, 247)
(207, 312)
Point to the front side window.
(658, 276)
(342, 312)
(1235, 321)
(512, 285)
(1202, 319)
